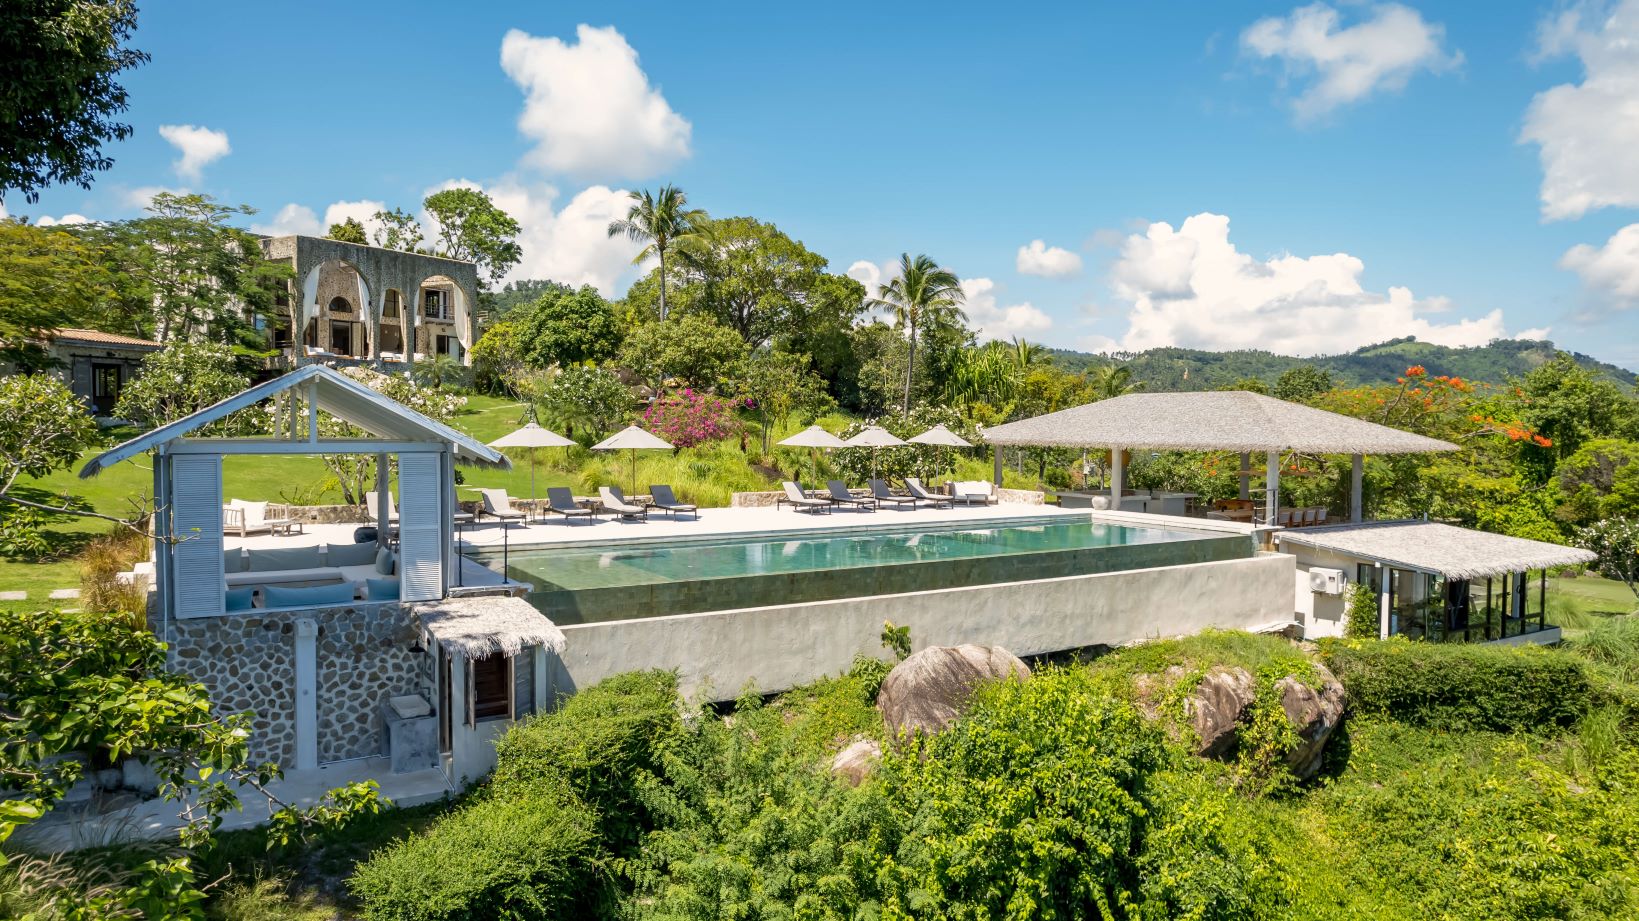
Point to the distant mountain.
(1193, 369)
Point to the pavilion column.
(384, 501)
(1271, 484)
(997, 454)
(1357, 482)
(1116, 476)
(1246, 475)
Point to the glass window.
(491, 687)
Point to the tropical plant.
(1616, 541)
(1302, 383)
(660, 220)
(43, 428)
(181, 379)
(49, 278)
(691, 350)
(591, 398)
(439, 371)
(1113, 380)
(1600, 480)
(348, 231)
(565, 327)
(397, 229)
(921, 294)
(688, 418)
(469, 226)
(777, 385)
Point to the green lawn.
(1587, 599)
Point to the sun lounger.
(498, 504)
(841, 496)
(666, 500)
(795, 498)
(559, 499)
(917, 492)
(881, 493)
(615, 501)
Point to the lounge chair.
(666, 500)
(498, 504)
(797, 499)
(251, 518)
(615, 501)
(841, 496)
(881, 493)
(559, 499)
(917, 492)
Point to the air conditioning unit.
(1326, 581)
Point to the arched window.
(340, 305)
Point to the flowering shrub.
(689, 418)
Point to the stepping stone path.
(13, 596)
(63, 594)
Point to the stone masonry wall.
(248, 663)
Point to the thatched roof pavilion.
(1442, 549)
(476, 627)
(1212, 421)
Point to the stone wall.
(248, 663)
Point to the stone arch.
(453, 319)
(395, 323)
(325, 286)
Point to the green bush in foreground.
(1464, 687)
(536, 855)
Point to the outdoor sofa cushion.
(239, 599)
(384, 561)
(233, 560)
(380, 589)
(351, 554)
(318, 575)
(274, 596)
(285, 558)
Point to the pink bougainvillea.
(687, 418)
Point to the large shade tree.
(661, 221)
(468, 226)
(60, 98)
(923, 294)
(49, 278)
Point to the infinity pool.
(635, 578)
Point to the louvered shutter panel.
(420, 531)
(196, 524)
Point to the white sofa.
(971, 492)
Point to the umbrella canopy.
(814, 437)
(939, 435)
(873, 436)
(531, 436)
(632, 439)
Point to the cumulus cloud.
(589, 107)
(872, 275)
(1611, 272)
(46, 220)
(1587, 132)
(991, 321)
(300, 219)
(1345, 64)
(1191, 287)
(198, 145)
(143, 196)
(1047, 261)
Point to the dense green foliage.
(182, 379)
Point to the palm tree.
(1113, 381)
(660, 220)
(922, 294)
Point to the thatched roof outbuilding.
(1233, 420)
(1428, 546)
(475, 628)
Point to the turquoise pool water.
(634, 579)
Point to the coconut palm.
(661, 220)
(1113, 381)
(923, 294)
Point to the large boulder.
(931, 688)
(857, 762)
(1214, 709)
(1315, 712)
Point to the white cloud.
(1610, 271)
(46, 220)
(1048, 261)
(872, 275)
(291, 219)
(1191, 287)
(990, 321)
(143, 196)
(1587, 132)
(589, 106)
(199, 146)
(1349, 63)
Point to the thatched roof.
(1210, 421)
(1453, 552)
(482, 626)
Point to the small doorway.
(106, 380)
(341, 338)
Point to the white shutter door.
(196, 524)
(420, 531)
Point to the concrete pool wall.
(717, 654)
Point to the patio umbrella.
(813, 438)
(941, 437)
(633, 439)
(873, 437)
(531, 436)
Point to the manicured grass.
(1594, 595)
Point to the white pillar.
(307, 697)
(538, 660)
(1116, 473)
(1357, 481)
(1385, 578)
(1246, 475)
(1271, 483)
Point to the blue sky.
(1327, 175)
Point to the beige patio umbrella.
(531, 436)
(813, 438)
(874, 437)
(632, 439)
(940, 436)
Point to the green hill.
(1194, 369)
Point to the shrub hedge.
(1464, 687)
